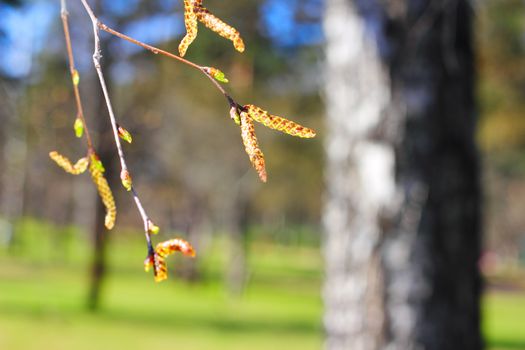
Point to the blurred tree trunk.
(402, 216)
(105, 149)
(14, 149)
(197, 228)
(100, 235)
(238, 222)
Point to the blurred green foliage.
(501, 97)
(501, 49)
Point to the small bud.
(75, 77)
(217, 74)
(79, 127)
(152, 228)
(148, 263)
(97, 163)
(124, 134)
(235, 116)
(125, 177)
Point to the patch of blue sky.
(26, 30)
(153, 30)
(169, 5)
(119, 8)
(283, 28)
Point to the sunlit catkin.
(175, 245)
(252, 146)
(104, 191)
(218, 26)
(161, 268)
(162, 250)
(78, 168)
(190, 22)
(278, 123)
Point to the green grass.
(504, 323)
(43, 296)
(49, 310)
(42, 302)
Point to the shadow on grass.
(504, 344)
(227, 323)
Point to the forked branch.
(243, 116)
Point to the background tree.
(13, 149)
(502, 126)
(402, 217)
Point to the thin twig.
(96, 61)
(97, 25)
(156, 51)
(80, 111)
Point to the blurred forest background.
(256, 282)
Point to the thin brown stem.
(153, 49)
(80, 110)
(157, 51)
(97, 25)
(96, 61)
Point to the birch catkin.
(218, 26)
(104, 191)
(76, 169)
(190, 22)
(278, 123)
(162, 250)
(174, 245)
(252, 146)
(194, 12)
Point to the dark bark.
(99, 259)
(237, 273)
(195, 228)
(13, 181)
(101, 235)
(438, 153)
(106, 150)
(425, 223)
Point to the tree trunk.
(106, 151)
(359, 181)
(100, 234)
(196, 227)
(402, 212)
(237, 270)
(14, 156)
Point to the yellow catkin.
(174, 245)
(161, 268)
(148, 263)
(190, 22)
(218, 26)
(162, 250)
(78, 168)
(251, 145)
(104, 192)
(278, 123)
